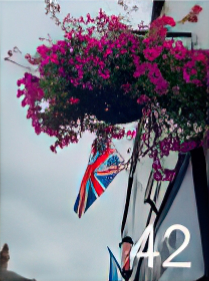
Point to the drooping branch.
(10, 54)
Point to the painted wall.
(179, 9)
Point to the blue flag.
(115, 270)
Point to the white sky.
(38, 188)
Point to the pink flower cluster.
(155, 78)
(101, 56)
(131, 134)
(73, 100)
(195, 69)
(192, 16)
(152, 53)
(157, 31)
(115, 133)
(32, 93)
(143, 99)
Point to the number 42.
(149, 234)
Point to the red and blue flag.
(101, 170)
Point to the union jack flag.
(101, 170)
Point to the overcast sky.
(38, 188)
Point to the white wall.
(179, 9)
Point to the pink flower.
(157, 176)
(105, 75)
(37, 129)
(81, 20)
(196, 9)
(143, 99)
(140, 70)
(168, 175)
(62, 51)
(126, 87)
(148, 41)
(192, 18)
(197, 82)
(107, 53)
(146, 112)
(55, 48)
(61, 43)
(45, 61)
(71, 61)
(186, 76)
(20, 93)
(162, 21)
(42, 50)
(175, 90)
(123, 51)
(61, 71)
(157, 29)
(90, 30)
(200, 57)
(168, 44)
(165, 147)
(89, 19)
(73, 100)
(175, 145)
(131, 134)
(167, 20)
(193, 71)
(156, 164)
(54, 58)
(152, 53)
(145, 137)
(162, 86)
(53, 148)
(24, 102)
(154, 154)
(179, 51)
(19, 82)
(187, 146)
